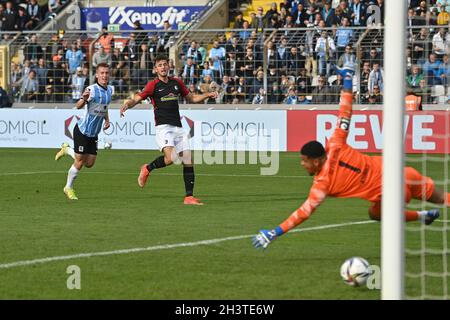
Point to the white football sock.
(71, 176)
(422, 213)
(70, 152)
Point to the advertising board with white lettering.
(425, 131)
(238, 130)
(150, 18)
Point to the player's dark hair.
(313, 149)
(161, 57)
(102, 65)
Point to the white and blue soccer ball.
(355, 271)
(107, 145)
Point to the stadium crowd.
(250, 64)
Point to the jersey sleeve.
(91, 90)
(339, 136)
(148, 90)
(317, 195)
(183, 89)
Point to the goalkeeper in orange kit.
(343, 172)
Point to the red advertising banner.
(426, 131)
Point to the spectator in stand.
(422, 8)
(273, 10)
(250, 64)
(232, 66)
(291, 97)
(217, 56)
(245, 33)
(348, 59)
(296, 61)
(4, 99)
(120, 73)
(274, 96)
(258, 21)
(376, 77)
(300, 17)
(241, 91)
(23, 18)
(344, 36)
(33, 51)
(42, 75)
(320, 93)
(259, 97)
(144, 66)
(226, 90)
(374, 57)
(190, 72)
(101, 56)
(34, 13)
(328, 15)
(207, 71)
(358, 12)
(239, 21)
(235, 47)
(53, 7)
(325, 49)
(441, 41)
(164, 39)
(140, 37)
(74, 57)
(78, 84)
(257, 83)
(9, 18)
(422, 46)
(106, 40)
(303, 83)
(444, 71)
(413, 80)
(29, 87)
(431, 69)
(364, 78)
(282, 55)
(49, 94)
(60, 79)
(194, 54)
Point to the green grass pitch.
(113, 213)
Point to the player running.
(341, 171)
(95, 99)
(164, 92)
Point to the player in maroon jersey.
(172, 140)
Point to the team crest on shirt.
(176, 87)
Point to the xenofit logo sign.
(124, 15)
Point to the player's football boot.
(192, 200)
(346, 71)
(143, 175)
(431, 215)
(61, 153)
(70, 193)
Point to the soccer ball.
(355, 271)
(108, 144)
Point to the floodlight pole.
(392, 225)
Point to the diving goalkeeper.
(343, 172)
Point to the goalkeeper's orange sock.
(448, 199)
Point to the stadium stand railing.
(247, 66)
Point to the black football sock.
(156, 164)
(189, 179)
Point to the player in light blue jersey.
(95, 100)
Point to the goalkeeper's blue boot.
(431, 215)
(347, 73)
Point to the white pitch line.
(161, 174)
(162, 247)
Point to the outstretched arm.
(196, 98)
(316, 196)
(128, 104)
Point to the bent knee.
(89, 164)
